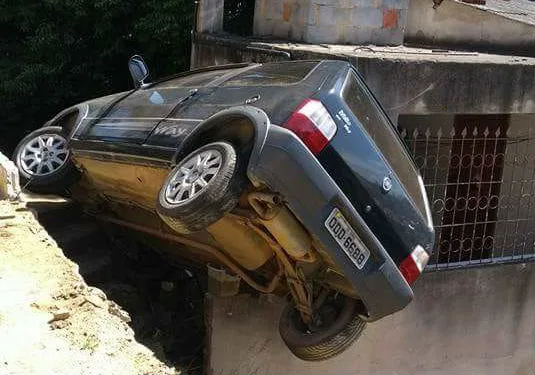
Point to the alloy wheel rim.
(193, 176)
(43, 155)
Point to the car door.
(132, 119)
(188, 114)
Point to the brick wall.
(380, 22)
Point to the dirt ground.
(51, 321)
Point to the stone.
(168, 286)
(46, 304)
(116, 310)
(97, 292)
(9, 179)
(59, 324)
(95, 301)
(60, 314)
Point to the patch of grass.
(91, 343)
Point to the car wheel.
(201, 188)
(44, 161)
(336, 326)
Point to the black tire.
(55, 182)
(218, 197)
(325, 342)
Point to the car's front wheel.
(201, 188)
(44, 161)
(335, 326)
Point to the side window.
(148, 103)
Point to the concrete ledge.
(9, 179)
(459, 25)
(473, 321)
(405, 80)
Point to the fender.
(82, 110)
(256, 117)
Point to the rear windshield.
(273, 74)
(377, 125)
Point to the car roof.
(244, 74)
(200, 70)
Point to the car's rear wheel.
(336, 325)
(201, 188)
(44, 161)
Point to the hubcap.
(43, 154)
(193, 176)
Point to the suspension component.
(296, 281)
(282, 224)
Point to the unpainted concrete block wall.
(210, 16)
(379, 22)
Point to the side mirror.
(138, 70)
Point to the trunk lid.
(370, 163)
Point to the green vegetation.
(238, 17)
(55, 53)
(90, 343)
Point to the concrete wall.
(210, 16)
(426, 87)
(209, 51)
(476, 321)
(9, 179)
(461, 25)
(332, 21)
(406, 83)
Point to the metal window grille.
(480, 180)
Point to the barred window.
(479, 172)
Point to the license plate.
(346, 237)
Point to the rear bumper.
(286, 166)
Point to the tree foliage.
(239, 16)
(55, 53)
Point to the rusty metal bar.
(301, 296)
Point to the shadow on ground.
(165, 302)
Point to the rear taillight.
(412, 266)
(312, 124)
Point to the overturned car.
(289, 175)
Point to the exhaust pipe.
(282, 224)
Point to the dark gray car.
(289, 175)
